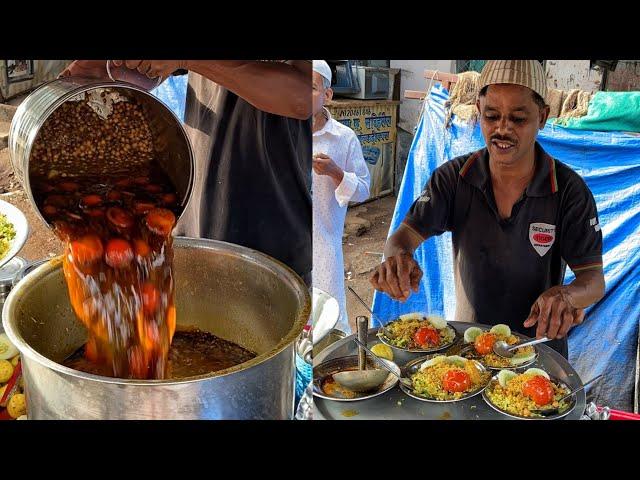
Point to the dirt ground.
(41, 242)
(366, 229)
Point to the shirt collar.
(329, 126)
(476, 171)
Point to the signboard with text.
(375, 125)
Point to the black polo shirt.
(501, 266)
(252, 176)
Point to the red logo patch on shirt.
(542, 236)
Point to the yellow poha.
(400, 333)
(496, 361)
(7, 234)
(428, 382)
(512, 400)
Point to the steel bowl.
(414, 366)
(325, 370)
(557, 416)
(385, 339)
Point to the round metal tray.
(384, 339)
(520, 417)
(413, 366)
(396, 405)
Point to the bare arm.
(561, 307)
(274, 87)
(587, 288)
(403, 240)
(399, 273)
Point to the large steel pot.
(231, 291)
(171, 144)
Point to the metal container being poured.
(170, 144)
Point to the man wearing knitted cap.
(518, 217)
(340, 175)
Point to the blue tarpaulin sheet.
(173, 92)
(609, 162)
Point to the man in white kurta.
(340, 175)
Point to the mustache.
(501, 138)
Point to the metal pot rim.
(277, 267)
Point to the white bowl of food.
(14, 231)
(325, 314)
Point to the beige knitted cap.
(528, 73)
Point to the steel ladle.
(361, 380)
(356, 376)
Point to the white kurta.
(341, 144)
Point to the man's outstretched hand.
(98, 68)
(153, 68)
(554, 314)
(87, 68)
(397, 276)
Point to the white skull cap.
(322, 68)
